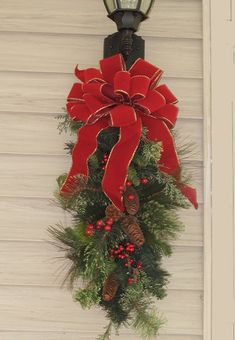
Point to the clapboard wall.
(41, 41)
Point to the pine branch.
(147, 323)
(107, 333)
(67, 124)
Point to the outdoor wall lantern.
(127, 14)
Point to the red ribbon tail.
(159, 132)
(84, 148)
(169, 161)
(189, 192)
(119, 160)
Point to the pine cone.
(131, 201)
(76, 185)
(131, 227)
(110, 288)
(112, 212)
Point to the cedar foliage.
(91, 263)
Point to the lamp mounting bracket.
(130, 45)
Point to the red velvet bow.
(128, 100)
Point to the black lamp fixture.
(127, 14)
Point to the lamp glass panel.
(145, 6)
(128, 4)
(111, 5)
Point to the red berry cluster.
(104, 161)
(129, 183)
(107, 226)
(124, 252)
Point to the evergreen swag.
(116, 256)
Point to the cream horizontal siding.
(41, 42)
(36, 307)
(54, 335)
(169, 18)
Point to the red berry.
(90, 226)
(103, 167)
(131, 280)
(109, 221)
(131, 197)
(130, 247)
(144, 181)
(89, 232)
(99, 223)
(121, 248)
(107, 227)
(129, 183)
(139, 266)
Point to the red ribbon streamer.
(128, 100)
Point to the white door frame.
(219, 193)
(207, 317)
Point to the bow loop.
(76, 93)
(110, 66)
(139, 87)
(142, 67)
(166, 92)
(78, 111)
(168, 113)
(96, 105)
(153, 102)
(122, 82)
(89, 75)
(122, 115)
(99, 91)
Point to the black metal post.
(125, 41)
